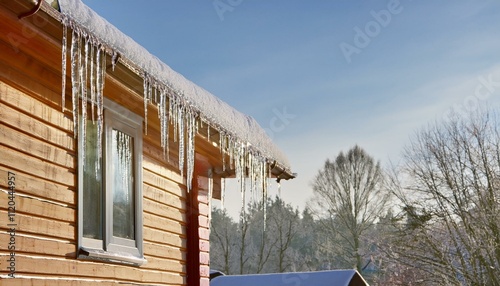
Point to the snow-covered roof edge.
(220, 114)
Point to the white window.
(110, 196)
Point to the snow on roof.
(318, 278)
(220, 114)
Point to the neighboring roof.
(318, 278)
(215, 273)
(218, 113)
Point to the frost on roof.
(318, 278)
(218, 113)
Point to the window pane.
(92, 186)
(123, 185)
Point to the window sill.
(85, 253)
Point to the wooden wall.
(37, 144)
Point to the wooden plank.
(170, 265)
(46, 76)
(153, 161)
(38, 280)
(50, 94)
(59, 267)
(21, 161)
(162, 183)
(38, 129)
(46, 280)
(36, 207)
(30, 35)
(36, 108)
(27, 48)
(163, 237)
(165, 224)
(36, 225)
(33, 245)
(163, 210)
(35, 147)
(163, 197)
(35, 186)
(164, 251)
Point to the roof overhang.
(135, 62)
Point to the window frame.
(111, 248)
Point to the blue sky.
(412, 64)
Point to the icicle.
(63, 61)
(210, 194)
(81, 74)
(208, 132)
(161, 109)
(223, 192)
(279, 188)
(180, 127)
(156, 94)
(146, 98)
(163, 116)
(239, 158)
(84, 98)
(92, 81)
(100, 77)
(85, 70)
(264, 194)
(243, 209)
(258, 173)
(166, 124)
(151, 88)
(191, 135)
(173, 110)
(120, 143)
(75, 77)
(114, 60)
(238, 155)
(231, 147)
(250, 173)
(222, 146)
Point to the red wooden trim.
(198, 245)
(193, 239)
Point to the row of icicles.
(88, 73)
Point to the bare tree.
(349, 197)
(284, 222)
(272, 244)
(306, 247)
(243, 242)
(223, 237)
(263, 241)
(449, 188)
(255, 244)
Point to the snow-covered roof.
(319, 278)
(218, 113)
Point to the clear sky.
(321, 76)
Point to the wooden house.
(108, 158)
